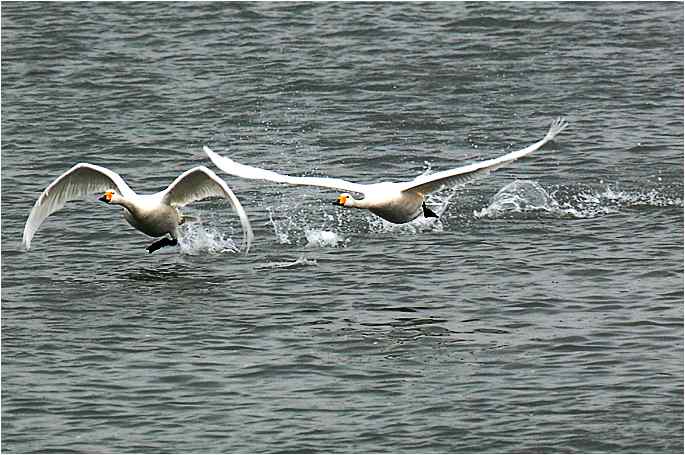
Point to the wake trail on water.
(526, 199)
(320, 227)
(302, 261)
(335, 231)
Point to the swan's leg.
(157, 245)
(161, 243)
(428, 213)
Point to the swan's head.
(344, 199)
(108, 196)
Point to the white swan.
(398, 202)
(153, 214)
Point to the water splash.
(651, 198)
(281, 228)
(525, 198)
(323, 239)
(296, 226)
(322, 229)
(197, 239)
(317, 227)
(380, 226)
(520, 197)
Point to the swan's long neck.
(124, 202)
(357, 203)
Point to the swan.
(153, 214)
(397, 202)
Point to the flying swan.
(153, 214)
(397, 202)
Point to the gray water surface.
(542, 313)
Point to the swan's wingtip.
(248, 237)
(213, 156)
(557, 126)
(247, 242)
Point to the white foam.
(418, 225)
(653, 198)
(322, 238)
(197, 239)
(526, 197)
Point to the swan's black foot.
(428, 213)
(161, 243)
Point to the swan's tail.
(555, 128)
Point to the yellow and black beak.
(107, 197)
(341, 200)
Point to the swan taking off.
(153, 214)
(397, 202)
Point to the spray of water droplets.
(526, 198)
(198, 239)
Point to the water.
(542, 313)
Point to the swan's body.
(397, 202)
(388, 201)
(156, 214)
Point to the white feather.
(241, 170)
(81, 180)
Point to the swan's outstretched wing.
(440, 180)
(200, 183)
(77, 182)
(240, 170)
